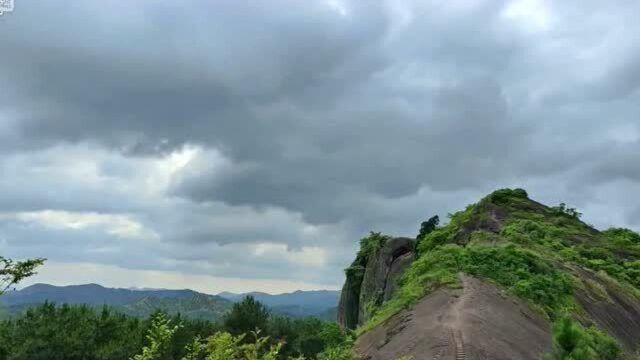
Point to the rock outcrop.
(373, 279)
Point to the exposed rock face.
(348, 307)
(476, 322)
(610, 308)
(371, 281)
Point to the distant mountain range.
(319, 303)
(189, 303)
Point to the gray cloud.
(312, 122)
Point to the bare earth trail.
(476, 322)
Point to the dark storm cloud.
(184, 80)
(313, 121)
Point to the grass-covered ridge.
(524, 247)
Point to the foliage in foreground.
(73, 332)
(225, 346)
(12, 272)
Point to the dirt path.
(455, 321)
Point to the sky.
(248, 145)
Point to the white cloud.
(123, 226)
(531, 15)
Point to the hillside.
(138, 303)
(298, 304)
(200, 306)
(189, 303)
(506, 278)
(91, 294)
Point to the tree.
(12, 272)
(245, 316)
(428, 226)
(194, 349)
(159, 337)
(563, 209)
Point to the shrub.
(503, 196)
(571, 342)
(224, 346)
(371, 244)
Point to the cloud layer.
(260, 141)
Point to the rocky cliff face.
(372, 279)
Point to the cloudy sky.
(248, 145)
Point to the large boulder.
(373, 280)
(349, 304)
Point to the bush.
(572, 342)
(371, 244)
(224, 346)
(503, 196)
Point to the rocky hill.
(506, 278)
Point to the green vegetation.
(80, 332)
(615, 251)
(563, 209)
(428, 226)
(199, 306)
(371, 244)
(245, 316)
(12, 272)
(572, 342)
(72, 332)
(159, 338)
